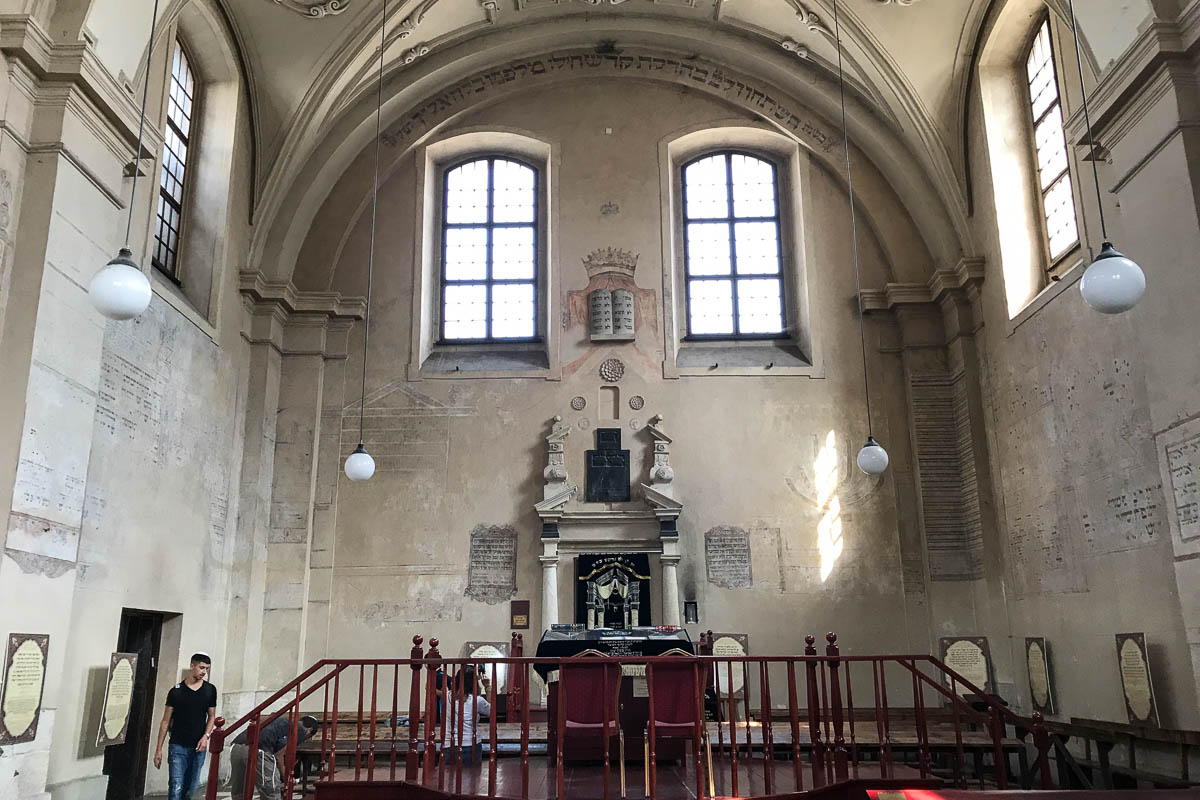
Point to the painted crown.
(610, 259)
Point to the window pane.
(1060, 217)
(512, 311)
(708, 248)
(465, 314)
(706, 188)
(1051, 147)
(513, 254)
(466, 193)
(710, 307)
(513, 192)
(757, 248)
(466, 254)
(753, 187)
(760, 306)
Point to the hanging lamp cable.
(837, 35)
(374, 213)
(1087, 118)
(137, 157)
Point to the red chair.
(588, 708)
(676, 692)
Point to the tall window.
(1054, 176)
(180, 103)
(489, 252)
(731, 247)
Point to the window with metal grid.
(176, 140)
(489, 251)
(732, 250)
(1050, 143)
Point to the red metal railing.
(922, 721)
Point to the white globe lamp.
(121, 290)
(1112, 284)
(872, 459)
(359, 465)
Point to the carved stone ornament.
(315, 10)
(792, 46)
(578, 403)
(610, 259)
(810, 18)
(637, 402)
(612, 370)
(413, 53)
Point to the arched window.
(181, 100)
(1054, 175)
(489, 251)
(732, 255)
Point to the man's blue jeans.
(184, 765)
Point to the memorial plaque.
(971, 658)
(1183, 461)
(1037, 662)
(492, 568)
(1134, 664)
(518, 614)
(727, 557)
(608, 469)
(118, 696)
(24, 679)
(730, 645)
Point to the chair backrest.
(583, 686)
(677, 687)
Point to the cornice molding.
(285, 298)
(967, 274)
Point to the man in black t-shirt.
(190, 715)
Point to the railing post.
(251, 757)
(411, 758)
(999, 759)
(835, 701)
(516, 649)
(814, 712)
(216, 743)
(288, 773)
(1041, 740)
(430, 721)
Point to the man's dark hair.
(201, 658)
(310, 722)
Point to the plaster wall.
(1077, 407)
(471, 450)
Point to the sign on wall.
(1037, 664)
(730, 645)
(971, 658)
(24, 680)
(1134, 664)
(489, 650)
(492, 564)
(118, 699)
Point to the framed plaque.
(24, 679)
(730, 645)
(518, 613)
(971, 658)
(481, 650)
(118, 696)
(1037, 665)
(1134, 664)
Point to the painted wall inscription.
(492, 569)
(727, 556)
(1183, 460)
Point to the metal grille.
(732, 250)
(176, 140)
(489, 252)
(1054, 175)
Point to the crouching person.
(269, 760)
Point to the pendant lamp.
(872, 458)
(359, 464)
(1112, 284)
(121, 290)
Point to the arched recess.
(767, 78)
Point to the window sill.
(486, 360)
(1070, 276)
(758, 357)
(165, 288)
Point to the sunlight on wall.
(829, 529)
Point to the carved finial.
(558, 417)
(418, 639)
(831, 637)
(810, 640)
(220, 722)
(433, 643)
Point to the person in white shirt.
(471, 705)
